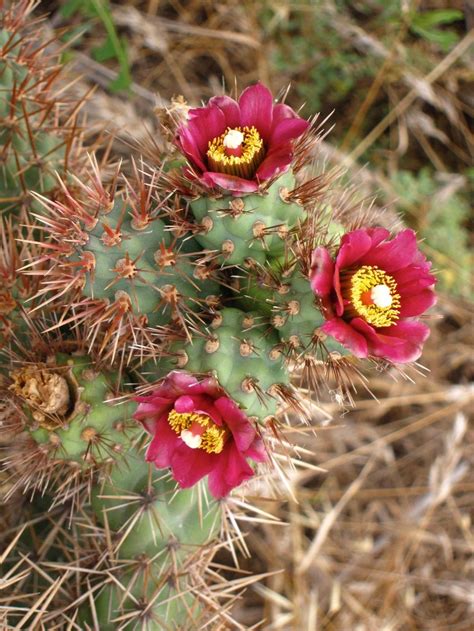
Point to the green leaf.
(437, 17)
(114, 43)
(426, 25)
(105, 51)
(444, 39)
(122, 82)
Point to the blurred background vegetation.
(387, 528)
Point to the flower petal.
(257, 450)
(149, 412)
(231, 470)
(354, 245)
(237, 421)
(187, 144)
(206, 125)
(416, 304)
(191, 465)
(230, 183)
(276, 162)
(282, 112)
(177, 381)
(377, 235)
(208, 385)
(395, 254)
(400, 343)
(256, 109)
(288, 129)
(165, 441)
(412, 279)
(184, 404)
(345, 334)
(230, 109)
(322, 272)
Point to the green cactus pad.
(285, 297)
(243, 353)
(168, 517)
(155, 275)
(71, 409)
(35, 145)
(253, 226)
(157, 532)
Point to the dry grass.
(382, 539)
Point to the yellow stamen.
(373, 296)
(243, 165)
(213, 440)
(212, 437)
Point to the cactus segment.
(244, 355)
(157, 533)
(39, 136)
(70, 412)
(146, 267)
(16, 287)
(282, 293)
(254, 226)
(297, 317)
(167, 517)
(126, 270)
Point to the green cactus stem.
(281, 292)
(39, 135)
(16, 287)
(253, 226)
(245, 356)
(160, 537)
(70, 420)
(129, 270)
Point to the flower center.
(238, 151)
(198, 431)
(372, 295)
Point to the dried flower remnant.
(46, 392)
(372, 292)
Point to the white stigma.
(191, 440)
(381, 296)
(233, 139)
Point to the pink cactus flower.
(236, 146)
(197, 431)
(372, 292)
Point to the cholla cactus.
(126, 270)
(160, 543)
(178, 299)
(39, 133)
(62, 409)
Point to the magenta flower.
(239, 145)
(197, 431)
(372, 292)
